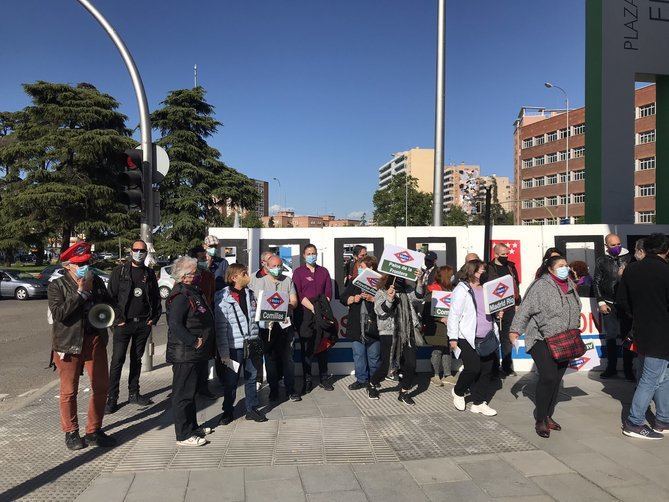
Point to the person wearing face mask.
(609, 269)
(136, 300)
(430, 271)
(551, 307)
(237, 337)
(351, 266)
(311, 280)
(217, 264)
(278, 338)
(77, 345)
(498, 267)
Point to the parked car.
(21, 285)
(165, 281)
(60, 270)
(47, 272)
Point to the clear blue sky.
(317, 93)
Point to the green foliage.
(198, 185)
(59, 166)
(456, 217)
(389, 203)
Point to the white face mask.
(139, 256)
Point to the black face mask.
(504, 260)
(429, 263)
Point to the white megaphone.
(101, 316)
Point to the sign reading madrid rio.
(401, 262)
(272, 306)
(499, 294)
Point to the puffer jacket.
(607, 275)
(189, 317)
(546, 311)
(232, 325)
(68, 310)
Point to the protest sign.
(498, 294)
(401, 262)
(368, 281)
(441, 303)
(272, 306)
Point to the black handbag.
(487, 345)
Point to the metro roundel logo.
(500, 290)
(373, 282)
(446, 300)
(275, 301)
(403, 256)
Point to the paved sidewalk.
(342, 446)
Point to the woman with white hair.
(190, 337)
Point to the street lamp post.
(406, 199)
(438, 195)
(566, 181)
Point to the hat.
(431, 255)
(211, 240)
(77, 253)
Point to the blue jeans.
(231, 379)
(366, 359)
(653, 385)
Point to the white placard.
(401, 262)
(368, 281)
(272, 306)
(441, 303)
(499, 294)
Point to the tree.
(270, 222)
(59, 157)
(198, 185)
(456, 217)
(389, 203)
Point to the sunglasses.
(138, 249)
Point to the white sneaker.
(458, 401)
(483, 409)
(193, 441)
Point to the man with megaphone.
(77, 344)
(136, 299)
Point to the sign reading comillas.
(272, 306)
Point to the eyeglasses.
(138, 249)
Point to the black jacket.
(353, 325)
(120, 289)
(643, 293)
(606, 278)
(68, 310)
(189, 317)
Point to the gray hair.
(181, 266)
(266, 256)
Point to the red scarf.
(563, 284)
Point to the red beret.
(77, 253)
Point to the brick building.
(540, 158)
(288, 219)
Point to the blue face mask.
(81, 271)
(311, 259)
(562, 273)
(360, 270)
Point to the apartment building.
(288, 219)
(262, 208)
(549, 163)
(417, 162)
(461, 186)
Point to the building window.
(528, 204)
(551, 157)
(552, 179)
(645, 137)
(539, 182)
(578, 129)
(526, 222)
(578, 175)
(528, 163)
(539, 202)
(553, 136)
(645, 190)
(579, 198)
(562, 155)
(539, 161)
(645, 110)
(645, 217)
(578, 152)
(528, 142)
(645, 164)
(551, 221)
(539, 140)
(562, 133)
(528, 183)
(552, 200)
(563, 200)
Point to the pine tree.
(59, 157)
(198, 184)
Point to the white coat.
(462, 319)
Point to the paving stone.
(225, 485)
(600, 470)
(160, 486)
(328, 478)
(570, 487)
(433, 470)
(281, 490)
(623, 451)
(648, 492)
(456, 491)
(657, 473)
(107, 487)
(335, 411)
(499, 479)
(270, 473)
(348, 496)
(535, 463)
(388, 482)
(528, 498)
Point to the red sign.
(500, 290)
(275, 301)
(514, 253)
(446, 300)
(403, 257)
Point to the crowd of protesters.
(211, 315)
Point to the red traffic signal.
(131, 179)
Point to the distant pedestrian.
(217, 264)
(551, 307)
(434, 330)
(639, 252)
(431, 266)
(581, 276)
(350, 267)
(474, 336)
(643, 293)
(190, 334)
(77, 345)
(469, 257)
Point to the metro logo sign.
(401, 262)
(500, 290)
(440, 303)
(446, 300)
(403, 257)
(373, 282)
(499, 294)
(275, 301)
(368, 281)
(272, 306)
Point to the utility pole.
(195, 75)
(438, 194)
(147, 147)
(488, 224)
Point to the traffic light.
(131, 179)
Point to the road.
(25, 346)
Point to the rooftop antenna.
(195, 74)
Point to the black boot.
(99, 438)
(111, 406)
(140, 400)
(73, 441)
